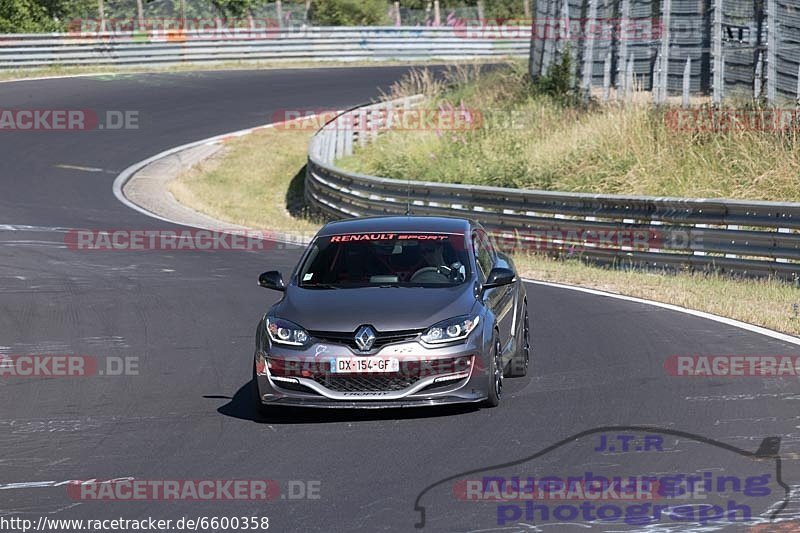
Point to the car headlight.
(284, 332)
(451, 330)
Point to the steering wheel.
(428, 275)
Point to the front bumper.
(427, 377)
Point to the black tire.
(495, 392)
(518, 367)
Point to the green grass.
(529, 140)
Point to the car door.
(500, 299)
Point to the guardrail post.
(340, 137)
(348, 133)
(333, 140)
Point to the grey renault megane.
(393, 312)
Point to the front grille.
(367, 383)
(382, 338)
(410, 373)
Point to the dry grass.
(532, 141)
(256, 181)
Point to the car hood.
(386, 309)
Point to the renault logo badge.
(365, 338)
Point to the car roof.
(388, 224)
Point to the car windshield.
(386, 259)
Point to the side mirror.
(498, 277)
(272, 280)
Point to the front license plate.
(365, 365)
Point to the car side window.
(483, 253)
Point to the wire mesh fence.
(721, 48)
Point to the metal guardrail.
(266, 44)
(743, 237)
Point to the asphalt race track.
(189, 318)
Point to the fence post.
(716, 47)
(588, 50)
(625, 16)
(656, 85)
(630, 83)
(437, 13)
(798, 86)
(772, 49)
(757, 85)
(526, 8)
(398, 21)
(607, 77)
(279, 13)
(666, 18)
(687, 82)
(481, 10)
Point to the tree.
(24, 16)
(350, 12)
